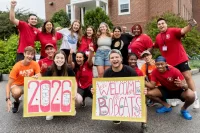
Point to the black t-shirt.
(125, 72)
(59, 72)
(122, 44)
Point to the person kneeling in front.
(173, 85)
(15, 85)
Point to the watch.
(7, 99)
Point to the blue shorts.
(101, 58)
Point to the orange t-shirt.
(150, 69)
(19, 71)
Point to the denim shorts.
(101, 57)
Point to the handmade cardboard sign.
(120, 99)
(49, 96)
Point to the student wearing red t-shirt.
(132, 61)
(27, 31)
(88, 40)
(140, 43)
(15, 85)
(173, 85)
(83, 70)
(48, 35)
(169, 43)
(47, 62)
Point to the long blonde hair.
(108, 33)
(79, 32)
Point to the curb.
(6, 76)
(195, 71)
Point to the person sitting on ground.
(84, 74)
(60, 68)
(173, 85)
(117, 69)
(15, 85)
(48, 61)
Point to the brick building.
(196, 11)
(121, 12)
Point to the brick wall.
(57, 5)
(196, 12)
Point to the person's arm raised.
(186, 29)
(91, 54)
(12, 13)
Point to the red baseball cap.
(49, 45)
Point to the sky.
(33, 6)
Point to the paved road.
(157, 123)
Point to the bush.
(8, 54)
(61, 18)
(191, 41)
(95, 17)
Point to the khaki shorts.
(21, 87)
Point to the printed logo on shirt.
(35, 32)
(26, 73)
(71, 40)
(170, 79)
(53, 38)
(138, 39)
(84, 69)
(168, 36)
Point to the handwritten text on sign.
(118, 98)
(49, 96)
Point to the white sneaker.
(21, 98)
(174, 102)
(48, 118)
(196, 104)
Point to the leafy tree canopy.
(95, 17)
(61, 18)
(191, 41)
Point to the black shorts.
(184, 66)
(169, 94)
(85, 92)
(20, 56)
(67, 51)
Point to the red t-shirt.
(175, 53)
(47, 62)
(84, 46)
(167, 78)
(46, 38)
(27, 36)
(84, 76)
(138, 71)
(139, 44)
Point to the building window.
(68, 9)
(124, 7)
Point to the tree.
(191, 41)
(61, 18)
(95, 17)
(7, 28)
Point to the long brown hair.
(64, 67)
(44, 29)
(79, 32)
(94, 36)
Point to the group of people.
(116, 54)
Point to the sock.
(195, 93)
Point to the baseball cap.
(145, 52)
(160, 58)
(49, 45)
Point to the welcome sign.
(49, 96)
(119, 99)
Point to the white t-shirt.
(68, 41)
